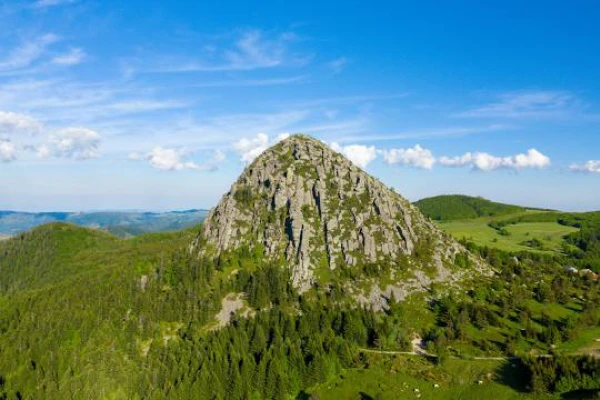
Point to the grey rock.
(309, 204)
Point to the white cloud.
(171, 159)
(487, 162)
(530, 104)
(8, 151)
(135, 156)
(11, 122)
(359, 154)
(250, 148)
(166, 159)
(415, 156)
(27, 52)
(73, 142)
(592, 166)
(73, 57)
(43, 151)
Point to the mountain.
(457, 207)
(303, 204)
(120, 223)
(292, 289)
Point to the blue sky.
(156, 106)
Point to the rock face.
(304, 204)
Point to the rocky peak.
(304, 204)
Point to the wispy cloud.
(592, 166)
(426, 133)
(51, 3)
(253, 49)
(526, 104)
(27, 52)
(73, 57)
(252, 82)
(338, 64)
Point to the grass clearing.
(406, 377)
(548, 234)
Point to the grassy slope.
(468, 218)
(550, 234)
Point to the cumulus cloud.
(8, 151)
(73, 142)
(416, 156)
(487, 162)
(11, 122)
(592, 166)
(360, 155)
(173, 159)
(73, 57)
(250, 148)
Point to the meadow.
(515, 237)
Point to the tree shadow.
(513, 374)
(583, 394)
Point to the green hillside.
(458, 207)
(87, 315)
(515, 229)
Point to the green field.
(549, 234)
(409, 377)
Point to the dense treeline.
(562, 374)
(456, 207)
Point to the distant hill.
(457, 207)
(120, 223)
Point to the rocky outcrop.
(304, 203)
